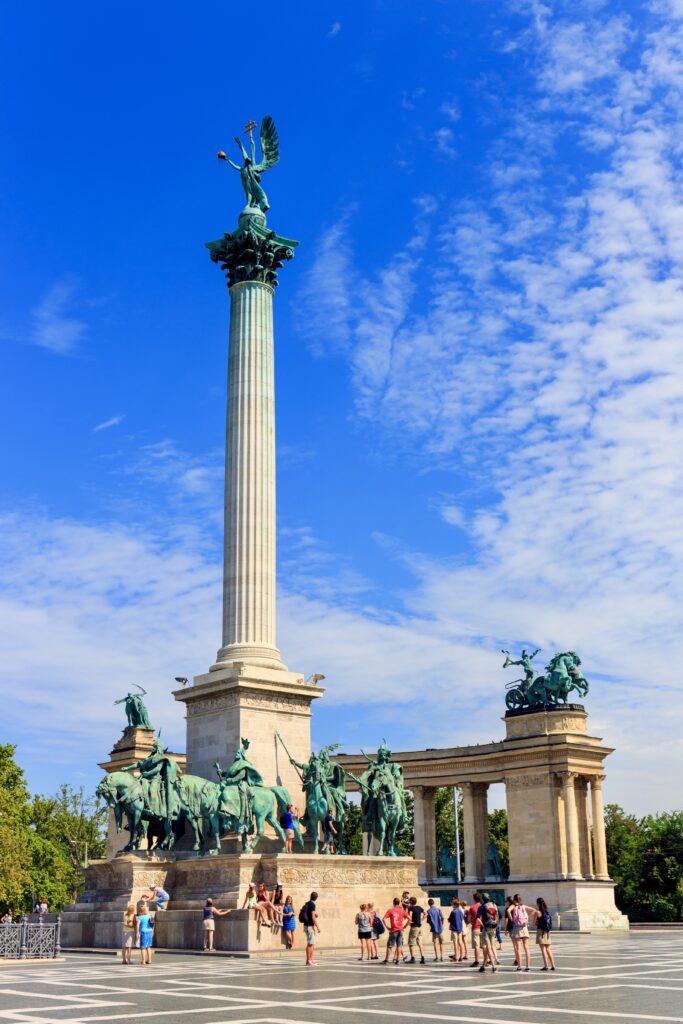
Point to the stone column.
(599, 844)
(475, 828)
(581, 787)
(425, 830)
(571, 824)
(482, 827)
(249, 554)
(251, 256)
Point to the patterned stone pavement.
(600, 978)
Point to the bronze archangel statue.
(251, 171)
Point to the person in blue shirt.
(289, 921)
(289, 827)
(456, 924)
(435, 922)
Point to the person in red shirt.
(396, 918)
(475, 921)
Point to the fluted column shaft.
(598, 814)
(249, 566)
(571, 825)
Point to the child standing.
(128, 934)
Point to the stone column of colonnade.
(571, 822)
(475, 829)
(599, 844)
(424, 816)
(249, 559)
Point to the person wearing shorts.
(435, 922)
(210, 924)
(475, 923)
(543, 925)
(364, 925)
(289, 828)
(396, 918)
(415, 931)
(310, 922)
(519, 914)
(456, 924)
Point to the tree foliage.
(645, 857)
(15, 835)
(43, 841)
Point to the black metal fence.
(26, 940)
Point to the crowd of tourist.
(477, 928)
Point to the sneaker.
(481, 970)
(544, 968)
(412, 960)
(474, 964)
(518, 968)
(423, 961)
(526, 970)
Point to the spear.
(291, 760)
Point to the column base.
(234, 655)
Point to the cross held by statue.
(249, 127)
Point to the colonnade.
(560, 813)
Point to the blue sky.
(479, 362)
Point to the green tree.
(15, 834)
(645, 857)
(353, 836)
(498, 831)
(75, 825)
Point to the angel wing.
(270, 145)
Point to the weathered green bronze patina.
(323, 783)
(161, 803)
(250, 172)
(248, 803)
(562, 676)
(136, 711)
(252, 252)
(383, 802)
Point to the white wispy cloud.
(113, 421)
(53, 324)
(547, 366)
(335, 28)
(445, 142)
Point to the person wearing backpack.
(519, 915)
(377, 930)
(308, 916)
(488, 914)
(544, 924)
